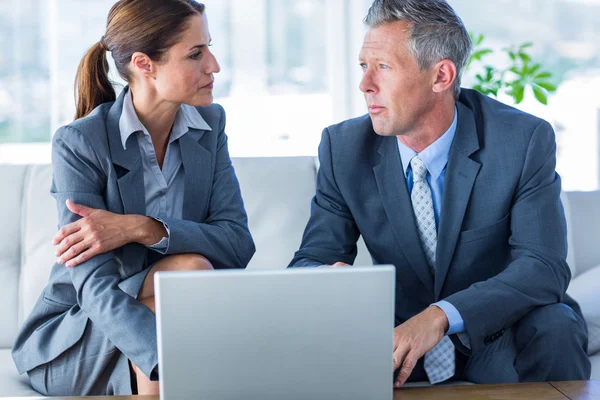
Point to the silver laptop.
(303, 333)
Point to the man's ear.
(445, 75)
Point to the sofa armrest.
(585, 289)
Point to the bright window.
(566, 40)
(289, 69)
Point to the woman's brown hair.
(148, 26)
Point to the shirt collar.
(434, 156)
(187, 117)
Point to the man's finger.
(78, 209)
(399, 353)
(340, 264)
(407, 368)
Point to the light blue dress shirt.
(435, 158)
(164, 188)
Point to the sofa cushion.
(585, 288)
(277, 193)
(12, 180)
(39, 226)
(571, 249)
(11, 383)
(595, 359)
(584, 227)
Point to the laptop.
(302, 333)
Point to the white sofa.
(277, 194)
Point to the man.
(460, 193)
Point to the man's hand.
(336, 265)
(340, 264)
(416, 337)
(101, 231)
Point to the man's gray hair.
(437, 32)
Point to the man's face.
(397, 92)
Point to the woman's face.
(187, 74)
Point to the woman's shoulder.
(90, 132)
(214, 115)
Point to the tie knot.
(418, 168)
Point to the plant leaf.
(476, 38)
(525, 45)
(534, 68)
(543, 75)
(546, 85)
(518, 93)
(479, 39)
(540, 94)
(525, 57)
(484, 52)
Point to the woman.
(143, 183)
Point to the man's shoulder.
(493, 114)
(353, 136)
(352, 143)
(351, 127)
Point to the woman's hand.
(101, 231)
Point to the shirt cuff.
(455, 321)
(163, 244)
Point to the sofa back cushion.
(570, 250)
(277, 193)
(584, 226)
(39, 223)
(12, 181)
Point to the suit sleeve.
(537, 273)
(130, 326)
(224, 237)
(331, 233)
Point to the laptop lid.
(303, 333)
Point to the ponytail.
(92, 86)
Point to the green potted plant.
(521, 73)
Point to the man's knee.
(190, 262)
(552, 345)
(556, 324)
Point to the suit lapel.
(458, 183)
(197, 164)
(130, 178)
(397, 204)
(127, 162)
